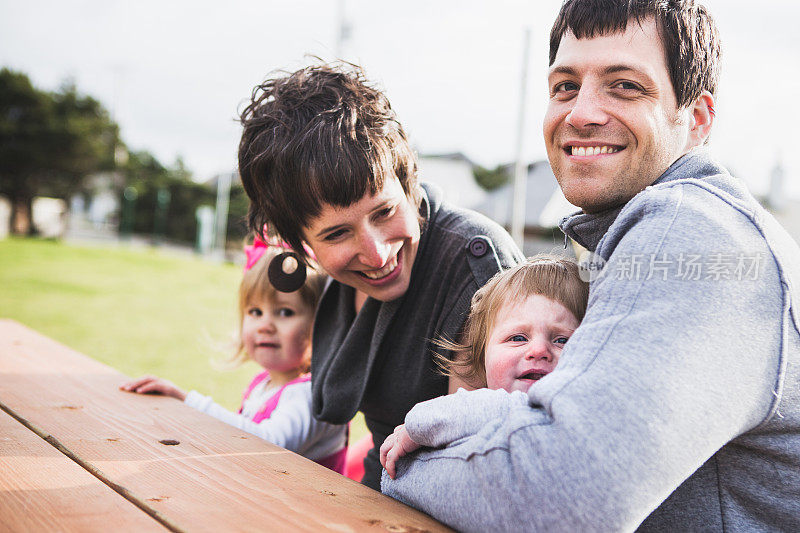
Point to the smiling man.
(614, 125)
(676, 403)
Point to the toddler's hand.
(396, 446)
(154, 385)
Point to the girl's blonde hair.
(256, 286)
(552, 276)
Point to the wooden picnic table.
(78, 454)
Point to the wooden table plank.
(43, 490)
(216, 478)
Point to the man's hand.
(396, 446)
(154, 385)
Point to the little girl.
(517, 326)
(276, 334)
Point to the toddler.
(276, 334)
(517, 327)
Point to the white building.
(453, 174)
(545, 206)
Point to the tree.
(491, 178)
(23, 124)
(49, 143)
(237, 216)
(149, 178)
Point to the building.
(545, 206)
(453, 173)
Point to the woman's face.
(369, 245)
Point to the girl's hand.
(396, 446)
(154, 385)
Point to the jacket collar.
(587, 229)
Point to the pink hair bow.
(255, 251)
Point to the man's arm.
(663, 372)
(443, 422)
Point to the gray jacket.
(676, 403)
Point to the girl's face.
(526, 341)
(369, 245)
(277, 333)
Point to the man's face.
(612, 126)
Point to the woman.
(327, 165)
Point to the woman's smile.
(391, 265)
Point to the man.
(676, 404)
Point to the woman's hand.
(154, 385)
(396, 446)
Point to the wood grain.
(43, 490)
(216, 478)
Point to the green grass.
(139, 311)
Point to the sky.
(175, 74)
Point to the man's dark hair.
(690, 37)
(321, 135)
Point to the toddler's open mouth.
(534, 375)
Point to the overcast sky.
(174, 73)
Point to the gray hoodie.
(675, 405)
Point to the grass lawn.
(139, 311)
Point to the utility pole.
(776, 198)
(521, 168)
(221, 211)
(163, 197)
(343, 31)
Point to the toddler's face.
(526, 341)
(276, 334)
